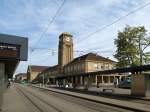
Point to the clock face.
(67, 39)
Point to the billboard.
(9, 51)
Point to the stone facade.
(33, 71)
(20, 77)
(90, 63)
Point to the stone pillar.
(64, 82)
(57, 83)
(102, 80)
(138, 86)
(96, 80)
(54, 81)
(81, 80)
(120, 78)
(71, 80)
(109, 79)
(2, 75)
(76, 80)
(89, 80)
(86, 86)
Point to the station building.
(33, 71)
(91, 63)
(68, 67)
(20, 77)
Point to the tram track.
(38, 98)
(46, 100)
(132, 99)
(107, 104)
(29, 99)
(88, 104)
(75, 101)
(141, 101)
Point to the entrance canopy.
(13, 49)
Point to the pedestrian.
(8, 84)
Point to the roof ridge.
(39, 65)
(91, 55)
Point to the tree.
(132, 44)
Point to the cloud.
(79, 17)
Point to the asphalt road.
(37, 100)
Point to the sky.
(30, 18)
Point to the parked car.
(125, 84)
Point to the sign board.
(9, 51)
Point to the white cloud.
(30, 18)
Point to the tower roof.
(65, 34)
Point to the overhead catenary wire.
(89, 35)
(45, 30)
(50, 23)
(40, 49)
(117, 20)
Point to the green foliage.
(131, 44)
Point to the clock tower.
(65, 51)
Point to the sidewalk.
(12, 101)
(113, 102)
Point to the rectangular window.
(82, 69)
(102, 67)
(99, 66)
(78, 67)
(68, 69)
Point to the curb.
(118, 96)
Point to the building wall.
(83, 66)
(75, 68)
(20, 77)
(92, 66)
(33, 75)
(24, 77)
